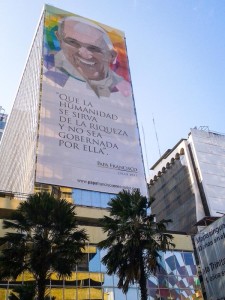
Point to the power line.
(146, 156)
(156, 135)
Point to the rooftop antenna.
(156, 135)
(146, 156)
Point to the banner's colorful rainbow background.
(52, 45)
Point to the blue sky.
(176, 52)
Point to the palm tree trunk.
(143, 279)
(41, 285)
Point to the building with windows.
(77, 118)
(188, 181)
(79, 140)
(3, 120)
(177, 277)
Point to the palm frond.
(133, 240)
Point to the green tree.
(133, 241)
(23, 292)
(43, 238)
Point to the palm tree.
(45, 239)
(23, 292)
(133, 241)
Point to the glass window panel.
(170, 263)
(105, 199)
(69, 293)
(189, 258)
(190, 271)
(175, 294)
(82, 293)
(188, 293)
(95, 293)
(102, 266)
(133, 285)
(108, 293)
(163, 282)
(182, 270)
(76, 195)
(107, 280)
(96, 199)
(164, 294)
(153, 294)
(132, 294)
(86, 198)
(57, 292)
(91, 198)
(83, 264)
(191, 282)
(180, 265)
(173, 281)
(189, 261)
(116, 280)
(94, 261)
(110, 196)
(183, 282)
(185, 294)
(119, 295)
(96, 279)
(194, 270)
(83, 280)
(2, 125)
(162, 268)
(194, 282)
(152, 282)
(162, 264)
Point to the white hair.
(87, 22)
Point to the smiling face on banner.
(86, 49)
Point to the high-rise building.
(78, 138)
(75, 111)
(3, 120)
(188, 181)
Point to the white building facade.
(189, 181)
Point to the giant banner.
(210, 246)
(88, 134)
